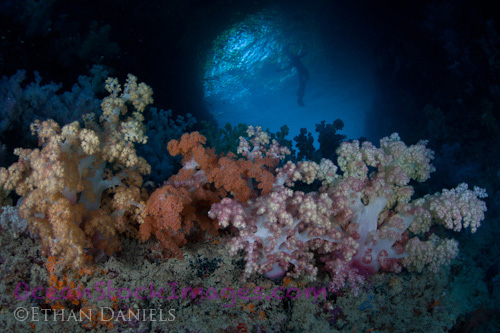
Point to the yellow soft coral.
(71, 197)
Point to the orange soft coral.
(180, 208)
(165, 216)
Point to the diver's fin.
(300, 101)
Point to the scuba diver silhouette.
(301, 71)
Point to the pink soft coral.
(358, 222)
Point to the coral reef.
(83, 189)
